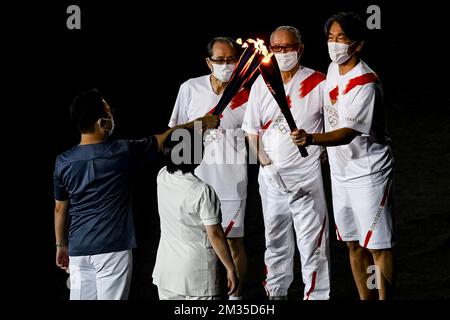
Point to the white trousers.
(169, 295)
(304, 210)
(104, 276)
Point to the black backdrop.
(138, 54)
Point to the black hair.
(350, 23)
(174, 147)
(231, 42)
(86, 109)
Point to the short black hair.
(350, 23)
(231, 42)
(86, 109)
(173, 146)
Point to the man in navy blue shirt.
(92, 184)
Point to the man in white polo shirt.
(291, 187)
(360, 159)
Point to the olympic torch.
(272, 77)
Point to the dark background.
(138, 55)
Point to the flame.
(259, 46)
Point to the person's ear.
(301, 49)
(101, 123)
(209, 64)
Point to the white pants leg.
(279, 235)
(83, 285)
(310, 216)
(103, 276)
(305, 209)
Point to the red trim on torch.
(360, 81)
(240, 99)
(334, 95)
(310, 83)
(266, 125)
(229, 227)
(313, 284)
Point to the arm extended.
(329, 139)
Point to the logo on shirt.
(280, 125)
(333, 116)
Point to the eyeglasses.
(224, 60)
(286, 48)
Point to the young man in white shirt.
(192, 238)
(360, 159)
(224, 165)
(291, 187)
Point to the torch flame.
(259, 46)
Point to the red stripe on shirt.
(360, 81)
(267, 124)
(289, 101)
(240, 99)
(334, 94)
(307, 85)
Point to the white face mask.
(339, 52)
(287, 61)
(108, 125)
(223, 72)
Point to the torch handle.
(303, 151)
(291, 123)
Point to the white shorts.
(105, 276)
(233, 215)
(169, 295)
(364, 214)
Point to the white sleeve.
(358, 114)
(252, 118)
(179, 113)
(209, 207)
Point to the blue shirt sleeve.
(59, 188)
(144, 149)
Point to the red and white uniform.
(361, 171)
(303, 205)
(224, 162)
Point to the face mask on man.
(223, 72)
(287, 61)
(107, 124)
(339, 52)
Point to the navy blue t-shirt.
(96, 179)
